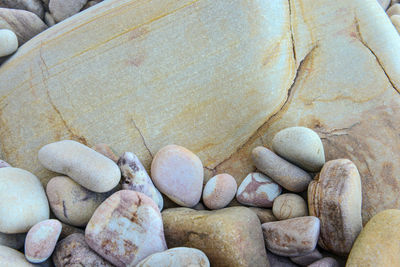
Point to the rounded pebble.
(328, 262)
(41, 240)
(393, 10)
(219, 191)
(289, 206)
(13, 258)
(396, 22)
(8, 42)
(84, 165)
(179, 174)
(4, 164)
(265, 215)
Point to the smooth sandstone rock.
(34, 6)
(335, 198)
(136, 178)
(24, 202)
(265, 215)
(178, 173)
(177, 257)
(289, 206)
(106, 150)
(15, 241)
(8, 42)
(84, 165)
(377, 244)
(219, 191)
(11, 258)
(229, 237)
(281, 171)
(396, 22)
(292, 237)
(325, 262)
(307, 259)
(41, 240)
(61, 9)
(126, 228)
(258, 190)
(393, 10)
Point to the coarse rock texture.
(61, 9)
(288, 206)
(12, 258)
(331, 66)
(8, 42)
(229, 237)
(34, 6)
(15, 241)
(219, 191)
(378, 243)
(265, 215)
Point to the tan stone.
(396, 22)
(265, 215)
(393, 10)
(218, 77)
(288, 206)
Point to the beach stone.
(176, 257)
(300, 146)
(292, 237)
(265, 215)
(10, 257)
(377, 244)
(229, 237)
(325, 262)
(258, 190)
(84, 165)
(69, 230)
(21, 191)
(279, 261)
(396, 22)
(289, 206)
(334, 196)
(34, 6)
(178, 173)
(136, 178)
(126, 228)
(384, 3)
(219, 191)
(393, 10)
(49, 20)
(4, 164)
(61, 9)
(23, 23)
(90, 4)
(8, 42)
(15, 241)
(41, 240)
(106, 150)
(70, 202)
(281, 171)
(308, 258)
(73, 251)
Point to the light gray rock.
(49, 20)
(61, 9)
(8, 42)
(34, 6)
(289, 206)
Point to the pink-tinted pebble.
(219, 191)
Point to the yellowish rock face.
(217, 77)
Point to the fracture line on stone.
(291, 32)
(141, 135)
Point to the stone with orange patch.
(219, 191)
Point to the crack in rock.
(143, 140)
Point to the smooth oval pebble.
(12, 258)
(15, 241)
(281, 171)
(258, 190)
(41, 240)
(179, 174)
(8, 42)
(70, 202)
(330, 262)
(300, 146)
(23, 201)
(289, 206)
(126, 228)
(219, 191)
(84, 165)
(176, 257)
(307, 259)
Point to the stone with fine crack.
(289, 206)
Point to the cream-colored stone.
(8, 42)
(289, 206)
(396, 22)
(393, 10)
(11, 258)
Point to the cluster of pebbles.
(294, 210)
(392, 9)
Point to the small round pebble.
(219, 191)
(288, 206)
(41, 240)
(8, 42)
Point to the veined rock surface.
(217, 77)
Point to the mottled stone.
(258, 190)
(289, 206)
(126, 228)
(292, 237)
(307, 259)
(106, 150)
(219, 191)
(34, 6)
(73, 251)
(41, 240)
(396, 22)
(393, 10)
(265, 215)
(178, 173)
(334, 196)
(84, 165)
(229, 237)
(69, 230)
(4, 164)
(176, 257)
(12, 258)
(279, 261)
(15, 241)
(8, 42)
(329, 262)
(61, 9)
(136, 178)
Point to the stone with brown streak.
(326, 262)
(229, 237)
(308, 258)
(34, 6)
(335, 198)
(265, 215)
(289, 206)
(106, 150)
(219, 191)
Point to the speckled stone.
(126, 228)
(265, 215)
(41, 240)
(4, 164)
(219, 191)
(12, 258)
(15, 241)
(179, 174)
(308, 258)
(288, 206)
(330, 262)
(8, 42)
(258, 190)
(106, 150)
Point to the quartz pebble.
(265, 215)
(219, 191)
(87, 167)
(335, 198)
(12, 258)
(176, 257)
(288, 206)
(300, 146)
(41, 240)
(126, 228)
(72, 203)
(8, 42)
(292, 237)
(136, 178)
(34, 6)
(308, 258)
(179, 174)
(61, 9)
(15, 241)
(106, 150)
(4, 164)
(393, 10)
(23, 201)
(258, 190)
(281, 171)
(396, 22)
(73, 251)
(329, 262)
